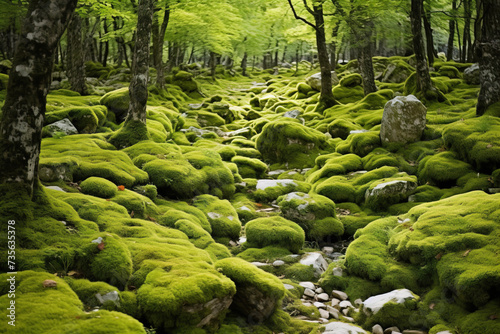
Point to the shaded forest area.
(237, 167)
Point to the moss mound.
(221, 215)
(290, 142)
(99, 187)
(274, 231)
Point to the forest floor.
(248, 211)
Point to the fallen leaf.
(101, 246)
(489, 146)
(431, 306)
(466, 253)
(438, 257)
(132, 214)
(121, 188)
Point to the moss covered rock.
(274, 231)
(221, 215)
(257, 293)
(289, 142)
(97, 186)
(185, 81)
(314, 213)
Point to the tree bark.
(451, 28)
(489, 57)
(365, 59)
(29, 81)
(431, 52)
(244, 64)
(134, 129)
(477, 29)
(76, 63)
(424, 82)
(467, 45)
(158, 40)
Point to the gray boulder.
(388, 193)
(403, 120)
(63, 125)
(315, 80)
(373, 304)
(317, 261)
(471, 75)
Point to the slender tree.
(158, 40)
(75, 57)
(326, 99)
(29, 81)
(134, 128)
(451, 28)
(424, 83)
(489, 57)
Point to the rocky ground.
(249, 211)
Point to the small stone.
(345, 311)
(308, 285)
(307, 304)
(444, 332)
(358, 302)
(345, 304)
(349, 319)
(337, 271)
(278, 263)
(309, 293)
(110, 296)
(339, 294)
(48, 283)
(322, 297)
(319, 305)
(335, 301)
(413, 331)
(377, 329)
(232, 243)
(391, 329)
(333, 312)
(327, 250)
(319, 290)
(288, 286)
(259, 264)
(324, 313)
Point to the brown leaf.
(101, 246)
(431, 306)
(132, 214)
(466, 253)
(438, 257)
(411, 229)
(489, 146)
(493, 317)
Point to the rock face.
(403, 120)
(315, 80)
(317, 261)
(471, 75)
(64, 126)
(387, 193)
(373, 304)
(337, 327)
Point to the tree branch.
(301, 18)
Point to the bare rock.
(403, 120)
(339, 294)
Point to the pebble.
(339, 294)
(307, 285)
(358, 302)
(412, 331)
(309, 293)
(345, 311)
(337, 271)
(319, 305)
(327, 250)
(333, 312)
(324, 313)
(349, 319)
(307, 304)
(259, 264)
(377, 329)
(288, 286)
(322, 297)
(335, 301)
(391, 329)
(345, 304)
(319, 290)
(278, 263)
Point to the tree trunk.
(466, 45)
(106, 46)
(431, 52)
(158, 40)
(333, 46)
(276, 52)
(365, 59)
(424, 83)
(29, 81)
(489, 57)
(244, 64)
(213, 64)
(326, 99)
(477, 29)
(134, 129)
(451, 27)
(76, 64)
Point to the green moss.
(379, 157)
(334, 164)
(337, 188)
(351, 80)
(275, 231)
(403, 315)
(244, 274)
(221, 215)
(483, 320)
(99, 187)
(449, 71)
(314, 213)
(360, 143)
(266, 193)
(265, 254)
(185, 81)
(394, 190)
(87, 291)
(348, 94)
(85, 119)
(300, 272)
(117, 101)
(442, 169)
(288, 142)
(341, 128)
(137, 205)
(77, 157)
(250, 168)
(131, 133)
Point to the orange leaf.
(101, 246)
(121, 188)
(438, 257)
